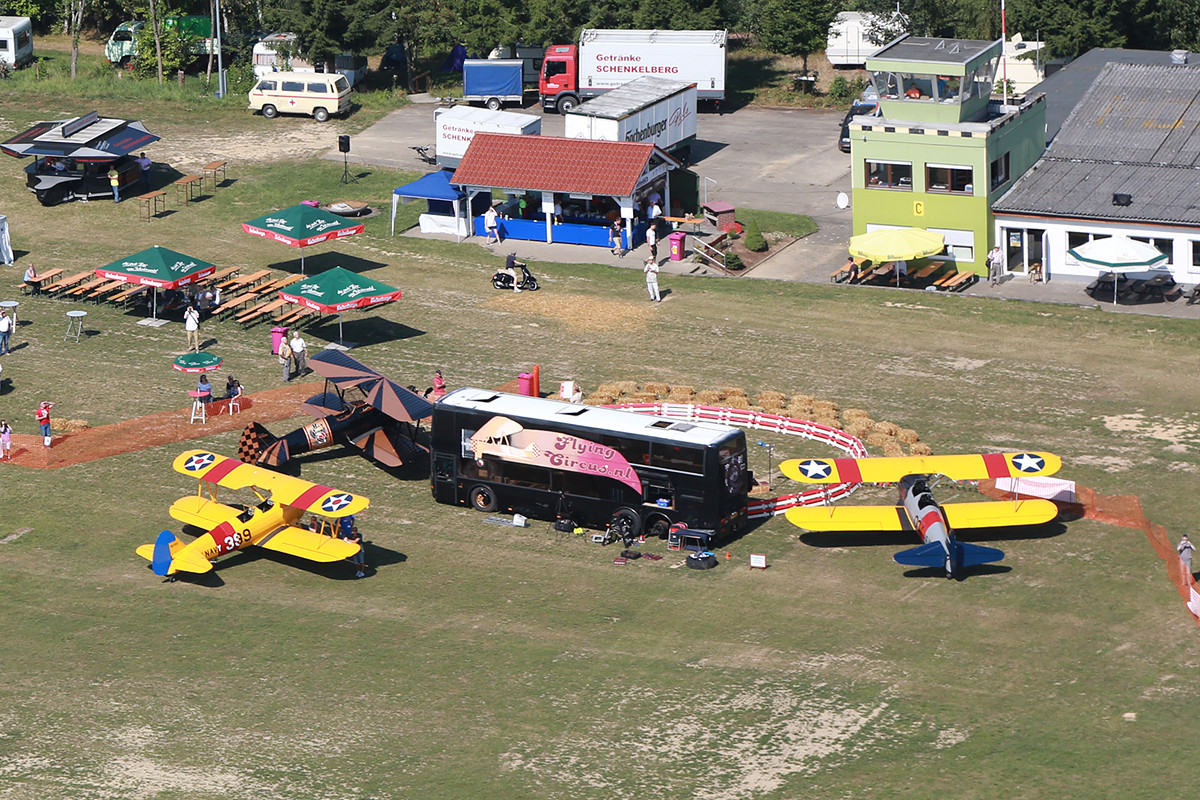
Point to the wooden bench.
(960, 281)
(241, 282)
(84, 288)
(928, 270)
(257, 313)
(212, 168)
(294, 316)
(220, 275)
(842, 273)
(151, 201)
(103, 290)
(61, 286)
(190, 187)
(279, 283)
(130, 293)
(233, 302)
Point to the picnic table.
(237, 300)
(212, 168)
(151, 201)
(241, 282)
(222, 274)
(279, 283)
(130, 293)
(258, 313)
(103, 289)
(84, 288)
(190, 187)
(67, 283)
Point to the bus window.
(637, 453)
(524, 475)
(681, 459)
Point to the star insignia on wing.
(816, 468)
(199, 462)
(1028, 462)
(336, 502)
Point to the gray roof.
(934, 49)
(1066, 86)
(1137, 132)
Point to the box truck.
(655, 110)
(16, 41)
(456, 126)
(493, 81)
(606, 59)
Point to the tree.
(795, 27)
(72, 11)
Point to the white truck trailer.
(660, 111)
(456, 126)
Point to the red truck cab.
(559, 82)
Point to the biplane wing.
(1000, 513)
(284, 489)
(890, 470)
(849, 518)
(307, 544)
(202, 512)
(340, 369)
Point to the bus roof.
(604, 420)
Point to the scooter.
(503, 280)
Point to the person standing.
(144, 165)
(299, 352)
(359, 560)
(42, 415)
(1185, 550)
(652, 240)
(5, 331)
(439, 385)
(285, 359)
(191, 324)
(491, 225)
(5, 440)
(995, 261)
(614, 238)
(114, 180)
(651, 270)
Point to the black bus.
(598, 467)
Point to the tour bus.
(597, 467)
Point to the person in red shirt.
(42, 415)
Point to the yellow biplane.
(271, 523)
(917, 510)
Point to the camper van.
(317, 93)
(277, 52)
(16, 41)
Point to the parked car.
(860, 108)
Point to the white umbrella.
(1117, 254)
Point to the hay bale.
(892, 449)
(857, 429)
(889, 429)
(825, 407)
(737, 401)
(907, 436)
(921, 449)
(708, 397)
(771, 405)
(598, 399)
(772, 396)
(680, 397)
(643, 397)
(626, 387)
(70, 425)
(828, 420)
(803, 399)
(732, 391)
(878, 438)
(854, 413)
(611, 388)
(659, 389)
(687, 391)
(799, 410)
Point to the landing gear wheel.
(483, 499)
(321, 114)
(270, 112)
(626, 525)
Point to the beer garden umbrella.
(196, 362)
(896, 244)
(336, 290)
(300, 226)
(158, 268)
(1117, 254)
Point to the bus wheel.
(626, 524)
(483, 499)
(659, 529)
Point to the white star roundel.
(1028, 462)
(199, 462)
(336, 502)
(815, 468)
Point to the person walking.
(1185, 550)
(114, 180)
(299, 352)
(5, 331)
(285, 359)
(191, 324)
(491, 225)
(614, 238)
(42, 415)
(652, 240)
(5, 440)
(995, 261)
(144, 165)
(651, 270)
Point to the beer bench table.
(212, 168)
(190, 187)
(151, 202)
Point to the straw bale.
(856, 429)
(680, 397)
(660, 389)
(736, 401)
(644, 397)
(70, 425)
(887, 428)
(770, 404)
(878, 438)
(598, 399)
(921, 449)
(687, 391)
(828, 420)
(610, 388)
(854, 413)
(825, 407)
(907, 436)
(708, 397)
(732, 391)
(892, 449)
(803, 399)
(799, 410)
(626, 387)
(770, 395)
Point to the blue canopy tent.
(446, 204)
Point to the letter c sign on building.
(918, 208)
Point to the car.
(860, 108)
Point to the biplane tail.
(960, 554)
(167, 556)
(259, 446)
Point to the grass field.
(500, 662)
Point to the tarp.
(484, 77)
(87, 138)
(434, 187)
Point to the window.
(1161, 245)
(1075, 239)
(960, 244)
(266, 86)
(955, 180)
(318, 88)
(889, 175)
(1195, 245)
(524, 475)
(1000, 171)
(3, 45)
(554, 68)
(683, 459)
(293, 86)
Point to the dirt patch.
(305, 139)
(577, 311)
(1175, 432)
(165, 427)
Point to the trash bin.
(525, 383)
(278, 335)
(677, 240)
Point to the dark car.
(860, 108)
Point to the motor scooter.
(503, 280)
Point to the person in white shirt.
(491, 225)
(5, 331)
(651, 270)
(191, 324)
(299, 352)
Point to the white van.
(317, 93)
(16, 41)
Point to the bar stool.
(74, 324)
(199, 405)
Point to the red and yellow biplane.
(917, 510)
(271, 523)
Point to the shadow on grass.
(319, 262)
(1010, 533)
(363, 332)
